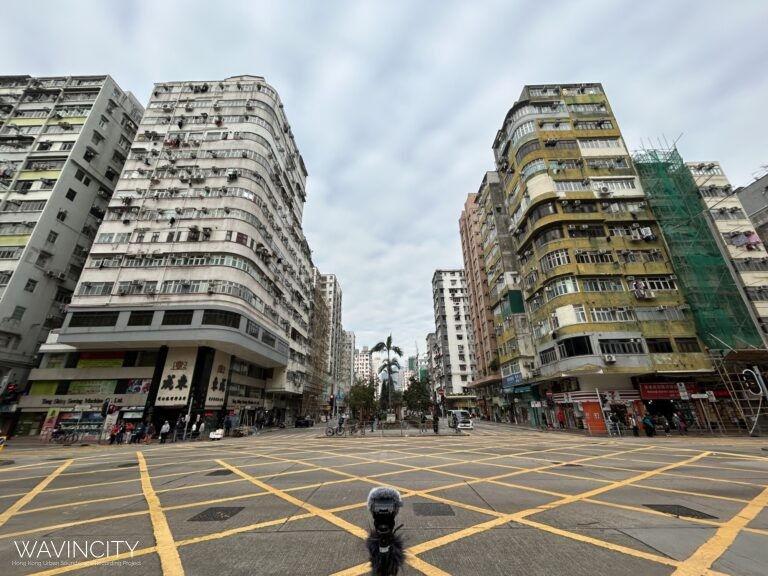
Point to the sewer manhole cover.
(127, 465)
(216, 514)
(678, 510)
(219, 473)
(6, 462)
(432, 509)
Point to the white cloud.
(395, 104)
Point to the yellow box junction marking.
(27, 498)
(706, 555)
(166, 547)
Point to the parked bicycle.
(60, 436)
(357, 427)
(338, 430)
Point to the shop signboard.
(711, 396)
(177, 377)
(699, 396)
(92, 387)
(682, 391)
(109, 359)
(217, 384)
(665, 390)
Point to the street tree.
(386, 345)
(417, 397)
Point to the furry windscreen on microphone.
(385, 546)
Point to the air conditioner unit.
(673, 276)
(609, 358)
(61, 276)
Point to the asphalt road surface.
(497, 500)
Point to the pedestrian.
(129, 432)
(665, 423)
(139, 434)
(120, 433)
(227, 426)
(164, 430)
(614, 418)
(423, 423)
(634, 426)
(561, 419)
(201, 430)
(149, 434)
(113, 433)
(683, 427)
(650, 429)
(193, 430)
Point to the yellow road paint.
(166, 547)
(27, 498)
(706, 555)
(53, 527)
(320, 512)
(600, 543)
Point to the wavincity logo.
(48, 551)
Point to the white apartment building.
(742, 246)
(364, 369)
(196, 295)
(454, 361)
(63, 142)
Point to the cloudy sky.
(395, 104)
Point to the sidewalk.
(692, 433)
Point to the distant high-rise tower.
(63, 142)
(455, 362)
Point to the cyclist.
(341, 424)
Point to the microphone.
(385, 546)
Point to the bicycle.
(335, 431)
(357, 427)
(69, 437)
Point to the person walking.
(113, 433)
(634, 426)
(561, 419)
(200, 431)
(149, 434)
(164, 431)
(665, 423)
(423, 428)
(650, 429)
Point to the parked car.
(304, 422)
(216, 434)
(463, 418)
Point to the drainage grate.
(6, 462)
(678, 510)
(127, 465)
(222, 472)
(216, 514)
(432, 509)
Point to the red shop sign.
(665, 390)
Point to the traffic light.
(10, 394)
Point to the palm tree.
(388, 365)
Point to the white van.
(463, 418)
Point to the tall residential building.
(198, 289)
(742, 247)
(500, 398)
(600, 292)
(754, 198)
(363, 365)
(432, 354)
(484, 336)
(455, 362)
(331, 289)
(317, 389)
(63, 143)
(347, 370)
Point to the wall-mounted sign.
(177, 377)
